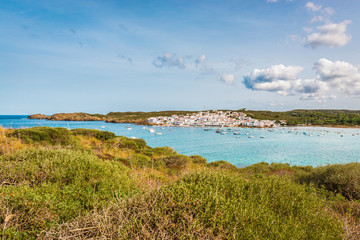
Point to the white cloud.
(227, 78)
(329, 11)
(272, 1)
(336, 76)
(313, 7)
(342, 76)
(201, 64)
(316, 19)
(169, 60)
(277, 78)
(331, 35)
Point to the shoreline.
(153, 125)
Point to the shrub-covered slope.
(78, 184)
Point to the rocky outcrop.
(75, 117)
(69, 117)
(39, 116)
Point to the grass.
(59, 183)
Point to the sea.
(315, 146)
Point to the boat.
(262, 137)
(223, 133)
(129, 128)
(151, 130)
(158, 133)
(102, 126)
(250, 136)
(218, 131)
(236, 133)
(206, 129)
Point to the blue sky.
(100, 56)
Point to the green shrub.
(175, 161)
(134, 144)
(339, 178)
(45, 187)
(140, 160)
(159, 152)
(216, 206)
(100, 135)
(47, 135)
(264, 167)
(222, 165)
(198, 159)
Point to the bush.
(47, 135)
(133, 144)
(45, 187)
(215, 206)
(222, 165)
(175, 162)
(100, 135)
(339, 178)
(198, 159)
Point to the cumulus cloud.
(226, 78)
(332, 76)
(342, 76)
(277, 78)
(169, 60)
(331, 35)
(313, 7)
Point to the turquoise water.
(319, 146)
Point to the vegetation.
(294, 117)
(59, 183)
(313, 117)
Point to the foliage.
(313, 117)
(47, 135)
(100, 135)
(339, 178)
(222, 165)
(45, 187)
(210, 205)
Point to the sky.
(98, 56)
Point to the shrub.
(45, 187)
(198, 159)
(339, 178)
(175, 161)
(134, 144)
(215, 206)
(47, 135)
(100, 135)
(222, 165)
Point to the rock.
(39, 116)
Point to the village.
(212, 119)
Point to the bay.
(300, 146)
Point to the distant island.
(317, 117)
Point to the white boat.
(236, 133)
(223, 133)
(158, 133)
(102, 126)
(144, 127)
(250, 136)
(129, 128)
(151, 130)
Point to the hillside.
(340, 118)
(59, 183)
